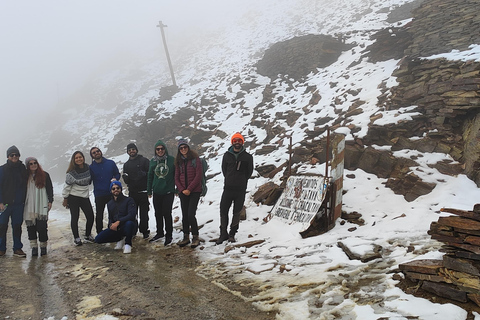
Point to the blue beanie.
(118, 183)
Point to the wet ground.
(97, 282)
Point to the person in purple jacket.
(103, 172)
(188, 178)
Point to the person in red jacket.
(188, 178)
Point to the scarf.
(36, 203)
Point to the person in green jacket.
(161, 184)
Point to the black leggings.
(76, 203)
(41, 228)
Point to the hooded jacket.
(237, 168)
(161, 173)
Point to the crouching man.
(122, 222)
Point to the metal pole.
(327, 150)
(161, 26)
(290, 158)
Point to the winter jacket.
(123, 209)
(102, 174)
(77, 182)
(193, 174)
(13, 183)
(237, 168)
(135, 173)
(161, 173)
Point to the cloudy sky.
(50, 48)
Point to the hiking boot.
(77, 242)
(168, 240)
(43, 251)
(127, 249)
(34, 251)
(222, 238)
(185, 241)
(146, 235)
(156, 238)
(120, 244)
(231, 238)
(89, 239)
(20, 253)
(195, 241)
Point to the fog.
(51, 48)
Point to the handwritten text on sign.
(301, 199)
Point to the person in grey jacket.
(76, 196)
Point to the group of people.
(28, 195)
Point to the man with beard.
(237, 168)
(135, 172)
(103, 172)
(13, 188)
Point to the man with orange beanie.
(237, 168)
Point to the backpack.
(204, 178)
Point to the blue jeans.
(127, 230)
(15, 212)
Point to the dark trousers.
(189, 210)
(238, 199)
(163, 211)
(39, 228)
(127, 230)
(141, 199)
(76, 203)
(100, 203)
(14, 212)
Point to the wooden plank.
(463, 213)
(459, 222)
(445, 290)
(426, 266)
(463, 265)
(415, 276)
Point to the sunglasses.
(115, 188)
(11, 155)
(182, 147)
(237, 141)
(160, 148)
(32, 163)
(96, 151)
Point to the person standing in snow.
(237, 168)
(13, 187)
(135, 172)
(161, 184)
(76, 196)
(188, 178)
(103, 172)
(122, 221)
(38, 203)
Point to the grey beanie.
(13, 149)
(182, 142)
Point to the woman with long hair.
(38, 203)
(188, 179)
(76, 196)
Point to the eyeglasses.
(11, 155)
(236, 140)
(96, 151)
(182, 147)
(32, 163)
(160, 148)
(116, 188)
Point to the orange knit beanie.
(237, 136)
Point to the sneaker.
(222, 238)
(77, 242)
(19, 253)
(231, 239)
(127, 249)
(120, 244)
(2, 253)
(146, 235)
(157, 237)
(89, 239)
(34, 251)
(43, 251)
(168, 240)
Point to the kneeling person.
(122, 222)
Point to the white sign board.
(301, 200)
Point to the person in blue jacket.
(13, 188)
(103, 172)
(122, 220)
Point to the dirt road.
(96, 282)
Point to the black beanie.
(131, 146)
(11, 150)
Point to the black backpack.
(204, 178)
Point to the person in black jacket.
(13, 186)
(135, 172)
(122, 222)
(237, 168)
(38, 203)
